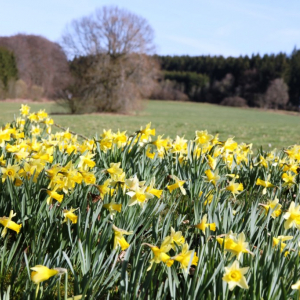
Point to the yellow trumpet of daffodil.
(274, 206)
(115, 169)
(234, 187)
(265, 184)
(8, 223)
(160, 254)
(234, 276)
(69, 215)
(235, 244)
(202, 137)
(119, 240)
(178, 184)
(54, 195)
(153, 191)
(113, 207)
(139, 196)
(212, 177)
(24, 110)
(186, 257)
(11, 172)
(203, 225)
(41, 273)
(174, 237)
(280, 240)
(289, 179)
(292, 216)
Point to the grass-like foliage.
(145, 217)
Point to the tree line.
(264, 81)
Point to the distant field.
(262, 128)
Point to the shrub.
(167, 90)
(36, 92)
(234, 101)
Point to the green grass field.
(262, 128)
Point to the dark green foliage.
(8, 66)
(191, 83)
(250, 76)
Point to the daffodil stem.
(66, 286)
(37, 290)
(58, 287)
(74, 133)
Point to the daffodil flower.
(212, 177)
(274, 206)
(292, 216)
(150, 189)
(113, 207)
(160, 254)
(186, 257)
(69, 215)
(234, 276)
(119, 240)
(234, 187)
(178, 184)
(11, 172)
(281, 239)
(289, 179)
(203, 225)
(235, 244)
(115, 169)
(265, 184)
(41, 273)
(8, 223)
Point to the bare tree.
(114, 46)
(276, 95)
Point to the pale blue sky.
(192, 27)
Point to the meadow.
(141, 216)
(262, 128)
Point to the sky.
(182, 27)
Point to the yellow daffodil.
(281, 239)
(202, 137)
(8, 223)
(175, 237)
(203, 224)
(274, 206)
(24, 110)
(11, 172)
(235, 244)
(119, 240)
(69, 215)
(186, 257)
(212, 177)
(296, 286)
(54, 195)
(265, 184)
(41, 273)
(115, 169)
(139, 195)
(234, 276)
(113, 207)
(153, 191)
(289, 179)
(160, 254)
(178, 184)
(292, 216)
(234, 187)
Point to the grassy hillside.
(262, 128)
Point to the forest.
(268, 81)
